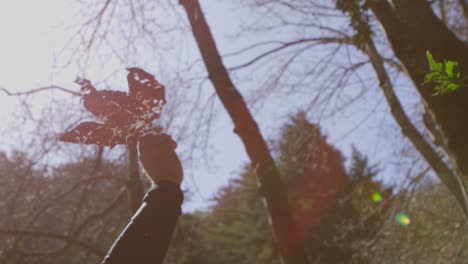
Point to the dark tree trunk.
(245, 126)
(412, 28)
(445, 174)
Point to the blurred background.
(332, 94)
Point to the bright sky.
(29, 40)
(32, 36)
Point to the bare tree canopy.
(331, 112)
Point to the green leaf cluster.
(445, 74)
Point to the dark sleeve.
(146, 238)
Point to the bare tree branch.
(324, 40)
(84, 224)
(40, 89)
(70, 240)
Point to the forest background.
(336, 88)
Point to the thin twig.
(40, 89)
(70, 240)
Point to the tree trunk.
(412, 28)
(448, 177)
(245, 126)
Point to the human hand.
(158, 157)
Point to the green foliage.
(445, 74)
(360, 167)
(240, 230)
(346, 233)
(340, 218)
(235, 230)
(189, 241)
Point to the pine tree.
(350, 228)
(333, 209)
(314, 174)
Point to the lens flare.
(402, 219)
(377, 198)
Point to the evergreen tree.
(314, 174)
(350, 228)
(333, 210)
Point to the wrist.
(168, 181)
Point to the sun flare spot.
(402, 219)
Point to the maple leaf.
(124, 116)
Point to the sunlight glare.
(31, 35)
